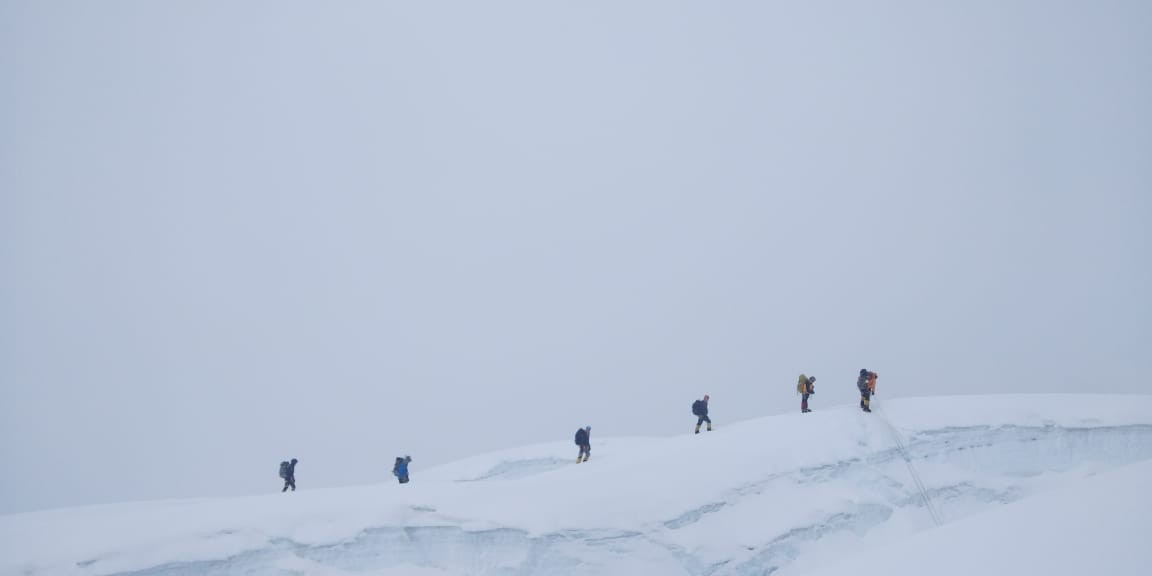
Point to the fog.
(233, 233)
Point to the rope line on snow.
(912, 469)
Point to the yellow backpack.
(802, 385)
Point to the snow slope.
(785, 494)
(1095, 526)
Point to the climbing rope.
(901, 446)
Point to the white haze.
(232, 233)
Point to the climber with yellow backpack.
(805, 388)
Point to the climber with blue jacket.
(400, 469)
(582, 440)
(700, 410)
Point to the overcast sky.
(232, 233)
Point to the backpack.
(400, 468)
(696, 408)
(284, 469)
(802, 385)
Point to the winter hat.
(706, 396)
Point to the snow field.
(787, 494)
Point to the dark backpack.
(696, 408)
(284, 469)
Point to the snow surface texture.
(1094, 526)
(787, 494)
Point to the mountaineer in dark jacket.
(288, 473)
(700, 410)
(866, 384)
(582, 440)
(400, 469)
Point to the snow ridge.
(776, 495)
